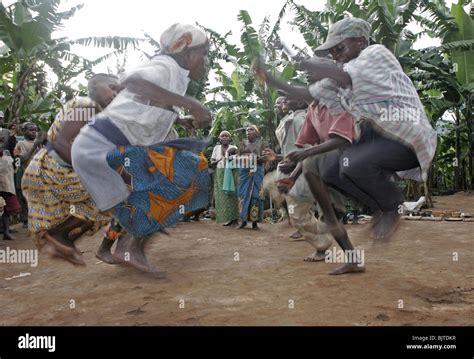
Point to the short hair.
(96, 79)
(27, 124)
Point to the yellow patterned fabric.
(54, 192)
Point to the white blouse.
(217, 155)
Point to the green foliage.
(28, 49)
(443, 75)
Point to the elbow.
(346, 81)
(345, 143)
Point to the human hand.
(284, 185)
(268, 155)
(201, 115)
(286, 167)
(297, 155)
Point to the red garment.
(13, 206)
(320, 126)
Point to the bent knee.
(352, 168)
(310, 166)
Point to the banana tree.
(28, 48)
(463, 60)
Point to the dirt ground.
(413, 280)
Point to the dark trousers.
(365, 169)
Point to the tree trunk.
(457, 168)
(19, 96)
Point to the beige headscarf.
(255, 128)
(181, 36)
(224, 133)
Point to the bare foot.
(316, 257)
(297, 235)
(348, 268)
(74, 258)
(386, 225)
(8, 237)
(106, 256)
(375, 218)
(130, 251)
(104, 252)
(61, 244)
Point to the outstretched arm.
(300, 93)
(166, 99)
(319, 68)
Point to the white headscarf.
(181, 36)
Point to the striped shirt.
(328, 94)
(384, 95)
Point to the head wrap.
(224, 132)
(181, 36)
(279, 99)
(255, 128)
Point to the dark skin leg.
(104, 252)
(59, 235)
(53, 252)
(84, 228)
(7, 235)
(386, 225)
(321, 194)
(61, 245)
(131, 251)
(254, 226)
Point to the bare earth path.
(221, 276)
